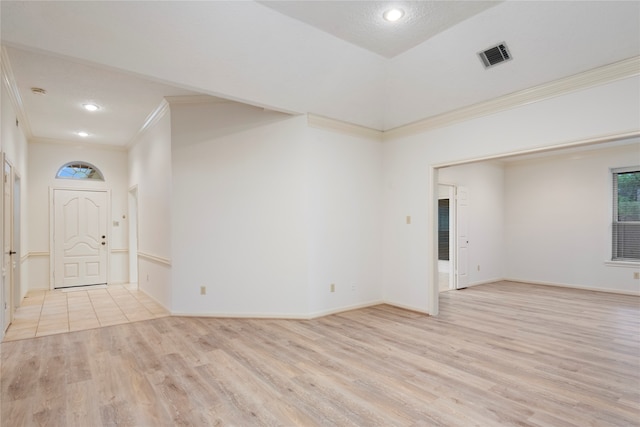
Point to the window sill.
(632, 264)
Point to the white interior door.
(80, 238)
(7, 214)
(462, 227)
(16, 248)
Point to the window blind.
(625, 228)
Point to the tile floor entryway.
(53, 312)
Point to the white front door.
(80, 238)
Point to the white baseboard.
(484, 282)
(154, 300)
(584, 288)
(288, 316)
(298, 316)
(292, 316)
(406, 307)
(323, 313)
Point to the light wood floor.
(53, 312)
(504, 354)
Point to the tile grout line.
(117, 305)
(139, 302)
(44, 298)
(93, 307)
(66, 297)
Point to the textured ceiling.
(361, 22)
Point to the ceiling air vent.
(495, 55)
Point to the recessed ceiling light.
(392, 15)
(82, 134)
(91, 107)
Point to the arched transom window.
(79, 170)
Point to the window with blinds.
(626, 214)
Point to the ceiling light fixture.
(392, 15)
(38, 91)
(91, 107)
(82, 134)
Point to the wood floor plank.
(503, 354)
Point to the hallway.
(45, 312)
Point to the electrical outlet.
(636, 275)
(333, 287)
(147, 277)
(353, 288)
(408, 219)
(478, 267)
(203, 290)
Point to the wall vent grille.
(495, 55)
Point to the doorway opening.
(446, 237)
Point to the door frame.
(52, 250)
(132, 198)
(461, 224)
(16, 239)
(8, 289)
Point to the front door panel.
(80, 238)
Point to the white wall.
(558, 219)
(409, 190)
(44, 161)
(150, 172)
(485, 217)
(239, 223)
(345, 219)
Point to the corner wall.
(268, 212)
(239, 225)
(150, 171)
(345, 201)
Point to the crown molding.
(14, 95)
(76, 144)
(321, 122)
(549, 148)
(595, 77)
(153, 118)
(196, 99)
